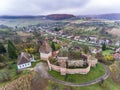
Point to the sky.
(44, 7)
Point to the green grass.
(107, 52)
(107, 85)
(4, 30)
(64, 40)
(78, 78)
(34, 63)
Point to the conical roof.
(45, 48)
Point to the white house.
(116, 56)
(117, 50)
(24, 60)
(45, 51)
(117, 43)
(76, 37)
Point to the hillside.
(113, 16)
(52, 17)
(21, 17)
(59, 16)
(31, 81)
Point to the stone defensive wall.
(64, 71)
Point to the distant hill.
(21, 17)
(52, 17)
(113, 16)
(59, 16)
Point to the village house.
(45, 50)
(95, 50)
(70, 37)
(108, 41)
(117, 50)
(117, 43)
(76, 37)
(24, 60)
(116, 56)
(83, 38)
(104, 41)
(93, 39)
(101, 42)
(60, 32)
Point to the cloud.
(102, 6)
(41, 7)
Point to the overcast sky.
(43, 7)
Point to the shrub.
(5, 76)
(2, 65)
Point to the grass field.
(107, 52)
(107, 85)
(22, 22)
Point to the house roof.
(45, 48)
(76, 37)
(116, 55)
(23, 58)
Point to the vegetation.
(74, 55)
(3, 61)
(104, 47)
(29, 50)
(85, 49)
(57, 29)
(2, 49)
(53, 46)
(63, 53)
(107, 52)
(105, 59)
(115, 71)
(109, 58)
(10, 73)
(12, 52)
(16, 84)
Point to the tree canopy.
(104, 47)
(53, 46)
(12, 52)
(2, 49)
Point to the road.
(42, 69)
